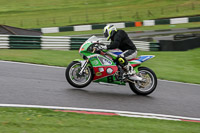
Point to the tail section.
(144, 58)
(140, 59)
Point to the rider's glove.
(102, 47)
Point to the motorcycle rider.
(120, 40)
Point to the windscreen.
(92, 39)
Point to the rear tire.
(147, 87)
(73, 77)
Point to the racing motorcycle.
(100, 66)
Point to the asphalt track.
(41, 85)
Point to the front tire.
(144, 87)
(73, 77)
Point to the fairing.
(104, 68)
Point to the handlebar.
(94, 49)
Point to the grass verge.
(15, 120)
(45, 57)
(176, 66)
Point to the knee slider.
(121, 60)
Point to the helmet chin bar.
(109, 31)
(106, 33)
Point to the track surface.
(41, 85)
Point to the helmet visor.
(106, 33)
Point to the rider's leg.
(127, 55)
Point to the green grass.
(29, 120)
(130, 29)
(176, 66)
(46, 57)
(50, 13)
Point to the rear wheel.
(148, 85)
(74, 78)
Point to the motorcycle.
(100, 66)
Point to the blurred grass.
(29, 120)
(51, 13)
(177, 66)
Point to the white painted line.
(152, 117)
(122, 113)
(180, 82)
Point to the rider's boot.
(131, 73)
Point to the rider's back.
(122, 41)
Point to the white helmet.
(109, 31)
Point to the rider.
(120, 40)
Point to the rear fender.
(136, 68)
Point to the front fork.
(83, 66)
(84, 63)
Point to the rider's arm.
(115, 43)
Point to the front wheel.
(74, 78)
(148, 85)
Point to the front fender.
(79, 60)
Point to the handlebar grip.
(94, 49)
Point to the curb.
(172, 21)
(107, 112)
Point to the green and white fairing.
(103, 64)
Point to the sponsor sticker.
(107, 62)
(98, 74)
(95, 62)
(101, 69)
